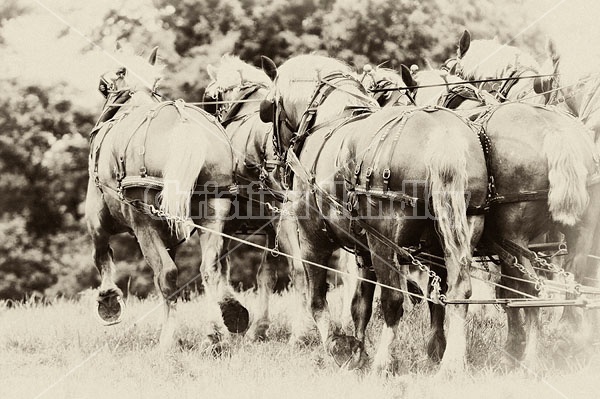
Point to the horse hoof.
(235, 317)
(436, 347)
(347, 352)
(260, 334)
(214, 345)
(110, 308)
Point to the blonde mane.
(387, 74)
(233, 72)
(488, 59)
(299, 76)
(431, 95)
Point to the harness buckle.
(357, 173)
(386, 178)
(143, 172)
(368, 174)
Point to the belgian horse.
(575, 86)
(146, 158)
(343, 150)
(240, 87)
(531, 148)
(581, 98)
(488, 59)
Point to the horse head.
(489, 59)
(231, 77)
(309, 90)
(134, 81)
(381, 83)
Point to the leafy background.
(52, 53)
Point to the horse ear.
(212, 71)
(269, 67)
(152, 57)
(551, 50)
(538, 85)
(407, 76)
(118, 46)
(464, 43)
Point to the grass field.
(61, 351)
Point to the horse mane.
(488, 59)
(434, 76)
(576, 63)
(430, 95)
(140, 74)
(388, 74)
(298, 78)
(233, 72)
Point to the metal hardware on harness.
(386, 178)
(282, 212)
(357, 173)
(368, 174)
(505, 251)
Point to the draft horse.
(575, 86)
(581, 99)
(240, 87)
(370, 180)
(539, 162)
(147, 158)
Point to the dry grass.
(60, 351)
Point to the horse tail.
(567, 174)
(446, 159)
(186, 158)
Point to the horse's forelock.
(489, 59)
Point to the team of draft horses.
(410, 170)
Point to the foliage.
(48, 99)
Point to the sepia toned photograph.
(299, 199)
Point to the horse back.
(138, 141)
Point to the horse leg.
(160, 259)
(436, 345)
(362, 301)
(391, 303)
(533, 327)
(317, 249)
(100, 225)
(289, 243)
(266, 279)
(575, 329)
(524, 325)
(214, 275)
(515, 339)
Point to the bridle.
(272, 110)
(227, 111)
(116, 97)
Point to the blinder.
(267, 111)
(275, 114)
(105, 87)
(542, 84)
(450, 66)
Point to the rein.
(386, 89)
